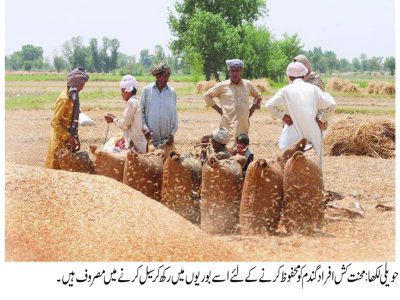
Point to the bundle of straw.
(351, 136)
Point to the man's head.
(77, 78)
(242, 141)
(219, 138)
(162, 72)
(296, 70)
(128, 86)
(235, 67)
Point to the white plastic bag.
(84, 120)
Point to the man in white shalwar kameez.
(131, 122)
(297, 104)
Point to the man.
(219, 139)
(297, 104)
(234, 98)
(131, 123)
(159, 111)
(62, 117)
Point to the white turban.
(128, 83)
(234, 63)
(296, 69)
(221, 135)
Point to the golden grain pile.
(62, 216)
(381, 88)
(355, 136)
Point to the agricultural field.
(29, 100)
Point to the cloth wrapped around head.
(234, 63)
(77, 77)
(128, 83)
(160, 68)
(221, 135)
(296, 69)
(311, 77)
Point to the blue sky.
(348, 27)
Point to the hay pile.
(61, 216)
(203, 86)
(338, 85)
(381, 88)
(349, 87)
(262, 85)
(354, 136)
(335, 84)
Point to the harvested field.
(370, 180)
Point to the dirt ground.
(372, 180)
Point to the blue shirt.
(159, 112)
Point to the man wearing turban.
(297, 104)
(61, 120)
(131, 122)
(233, 95)
(159, 111)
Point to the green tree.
(356, 64)
(159, 54)
(95, 61)
(75, 53)
(211, 40)
(390, 64)
(364, 62)
(15, 61)
(375, 64)
(221, 23)
(59, 63)
(32, 57)
(145, 59)
(255, 49)
(344, 65)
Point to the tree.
(364, 62)
(234, 12)
(96, 64)
(212, 40)
(390, 64)
(290, 46)
(356, 64)
(255, 49)
(221, 24)
(15, 61)
(375, 64)
(75, 53)
(59, 62)
(159, 54)
(145, 59)
(32, 57)
(344, 65)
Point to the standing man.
(233, 95)
(159, 111)
(62, 119)
(297, 104)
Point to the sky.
(347, 27)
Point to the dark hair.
(134, 91)
(243, 139)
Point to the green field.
(39, 91)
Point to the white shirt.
(131, 125)
(301, 101)
(159, 112)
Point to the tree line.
(205, 34)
